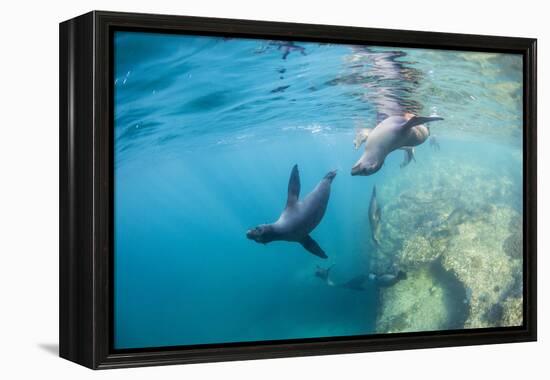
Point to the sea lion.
(323, 274)
(449, 226)
(392, 133)
(298, 218)
(375, 214)
(279, 89)
(356, 283)
(361, 135)
(387, 279)
(288, 47)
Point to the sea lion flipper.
(408, 157)
(293, 187)
(361, 135)
(312, 246)
(417, 120)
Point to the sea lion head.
(367, 165)
(261, 234)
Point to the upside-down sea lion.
(298, 218)
(395, 132)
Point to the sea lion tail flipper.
(293, 186)
(311, 245)
(417, 120)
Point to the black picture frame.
(86, 189)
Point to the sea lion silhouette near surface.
(394, 132)
(298, 218)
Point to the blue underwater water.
(207, 130)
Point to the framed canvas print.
(237, 189)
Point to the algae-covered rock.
(416, 252)
(414, 304)
(464, 222)
(513, 245)
(512, 312)
(476, 256)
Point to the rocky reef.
(414, 304)
(458, 236)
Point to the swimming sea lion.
(375, 214)
(356, 283)
(449, 226)
(362, 134)
(298, 218)
(393, 133)
(323, 274)
(288, 47)
(279, 89)
(387, 279)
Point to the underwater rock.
(476, 256)
(513, 245)
(414, 304)
(416, 251)
(494, 314)
(512, 312)
(471, 232)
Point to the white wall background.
(29, 187)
